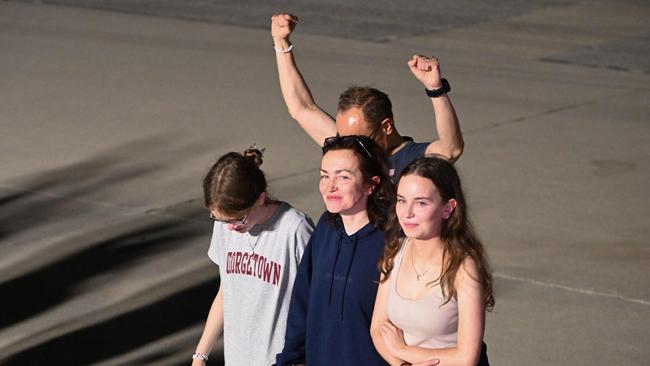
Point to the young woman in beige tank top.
(436, 284)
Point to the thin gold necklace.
(418, 274)
(269, 214)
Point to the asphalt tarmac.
(109, 120)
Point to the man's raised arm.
(450, 140)
(300, 103)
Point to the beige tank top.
(425, 322)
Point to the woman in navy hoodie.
(334, 292)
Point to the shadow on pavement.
(125, 332)
(98, 256)
(57, 281)
(54, 195)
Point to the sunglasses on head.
(345, 141)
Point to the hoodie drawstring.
(347, 273)
(338, 252)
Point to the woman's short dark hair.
(372, 163)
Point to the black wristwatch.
(444, 89)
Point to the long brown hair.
(234, 182)
(457, 234)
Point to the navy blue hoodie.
(333, 298)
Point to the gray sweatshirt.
(257, 271)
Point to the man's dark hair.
(375, 104)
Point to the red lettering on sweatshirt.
(242, 265)
(276, 274)
(238, 262)
(267, 271)
(255, 265)
(260, 266)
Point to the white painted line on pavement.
(571, 289)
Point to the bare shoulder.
(468, 273)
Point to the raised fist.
(427, 70)
(282, 25)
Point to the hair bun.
(255, 154)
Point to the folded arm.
(379, 318)
(471, 322)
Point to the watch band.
(444, 89)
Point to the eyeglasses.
(372, 134)
(235, 222)
(344, 141)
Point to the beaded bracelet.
(200, 356)
(282, 50)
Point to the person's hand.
(198, 363)
(427, 70)
(393, 338)
(282, 25)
